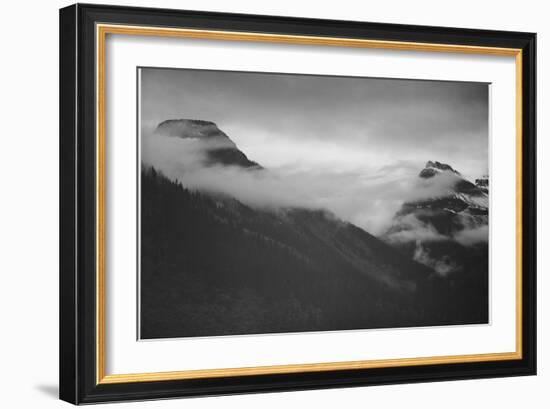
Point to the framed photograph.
(257, 203)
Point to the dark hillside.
(211, 265)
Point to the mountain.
(448, 230)
(219, 148)
(456, 205)
(212, 265)
(459, 196)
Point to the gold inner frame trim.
(101, 33)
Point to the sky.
(353, 145)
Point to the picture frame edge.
(77, 359)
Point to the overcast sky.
(346, 129)
(283, 119)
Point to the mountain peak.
(433, 168)
(439, 165)
(190, 128)
(219, 148)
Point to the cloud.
(413, 230)
(377, 119)
(470, 237)
(367, 197)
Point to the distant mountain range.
(211, 265)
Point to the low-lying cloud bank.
(366, 197)
(414, 230)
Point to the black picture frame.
(78, 312)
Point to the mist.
(353, 146)
(368, 197)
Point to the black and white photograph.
(265, 200)
(284, 203)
